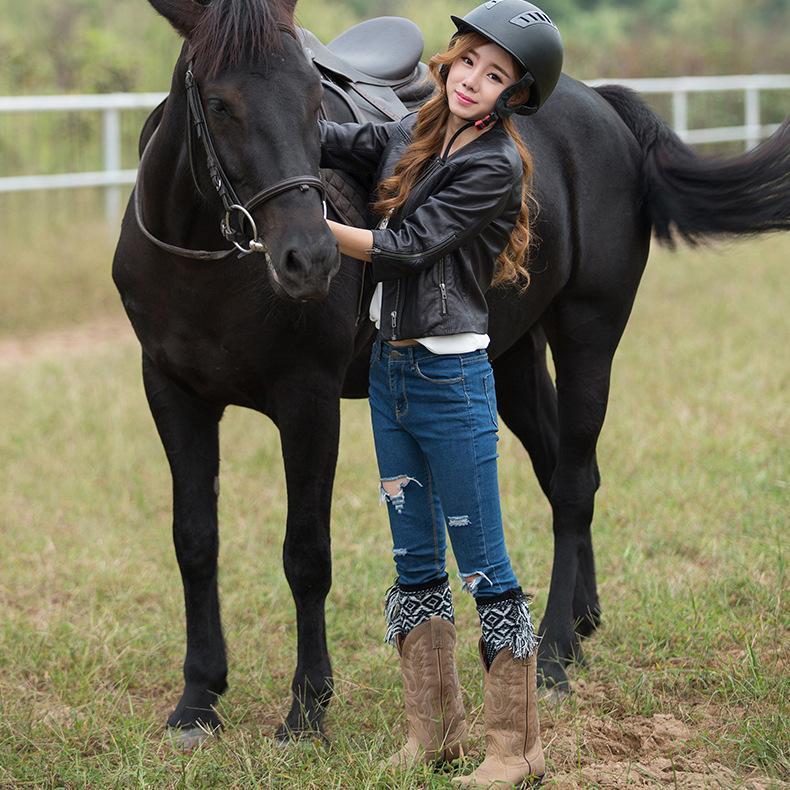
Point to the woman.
(453, 198)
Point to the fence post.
(752, 117)
(111, 148)
(680, 112)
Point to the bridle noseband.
(196, 120)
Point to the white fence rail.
(112, 177)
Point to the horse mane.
(232, 32)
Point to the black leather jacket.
(437, 255)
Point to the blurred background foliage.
(100, 46)
(94, 46)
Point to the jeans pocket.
(440, 369)
(488, 384)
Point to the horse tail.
(694, 197)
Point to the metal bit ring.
(254, 244)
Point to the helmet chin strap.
(486, 120)
(480, 123)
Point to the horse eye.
(217, 107)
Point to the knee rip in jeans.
(391, 490)
(471, 581)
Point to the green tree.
(49, 46)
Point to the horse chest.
(215, 347)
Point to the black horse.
(275, 330)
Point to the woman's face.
(476, 79)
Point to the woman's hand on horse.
(354, 242)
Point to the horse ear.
(289, 6)
(183, 15)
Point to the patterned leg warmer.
(408, 606)
(505, 622)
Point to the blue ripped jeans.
(435, 429)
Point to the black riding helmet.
(528, 34)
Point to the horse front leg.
(308, 417)
(189, 429)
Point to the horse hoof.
(187, 738)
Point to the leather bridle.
(196, 120)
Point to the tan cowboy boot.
(514, 753)
(436, 729)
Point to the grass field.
(686, 683)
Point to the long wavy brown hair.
(427, 139)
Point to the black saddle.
(388, 47)
(374, 67)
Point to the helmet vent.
(531, 18)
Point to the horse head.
(259, 98)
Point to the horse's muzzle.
(304, 275)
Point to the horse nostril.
(295, 262)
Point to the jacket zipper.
(394, 314)
(442, 287)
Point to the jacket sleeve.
(477, 195)
(354, 146)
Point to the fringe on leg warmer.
(505, 623)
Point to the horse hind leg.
(189, 430)
(583, 347)
(586, 607)
(527, 402)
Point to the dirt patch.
(70, 341)
(586, 750)
(649, 772)
(635, 752)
